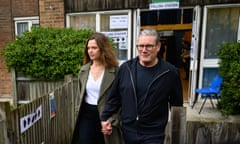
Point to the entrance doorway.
(175, 28)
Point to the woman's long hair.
(107, 56)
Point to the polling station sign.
(117, 36)
(163, 4)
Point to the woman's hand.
(106, 127)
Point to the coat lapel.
(108, 77)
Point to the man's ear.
(158, 46)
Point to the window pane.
(120, 35)
(222, 27)
(170, 16)
(83, 21)
(35, 25)
(21, 27)
(208, 76)
(187, 15)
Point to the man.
(144, 89)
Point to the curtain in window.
(222, 27)
(21, 27)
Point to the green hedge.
(229, 69)
(48, 53)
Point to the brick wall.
(6, 36)
(23, 8)
(51, 13)
(10, 9)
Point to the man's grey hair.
(150, 32)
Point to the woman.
(95, 79)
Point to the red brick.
(24, 8)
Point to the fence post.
(14, 85)
(68, 78)
(4, 107)
(178, 125)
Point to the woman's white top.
(93, 89)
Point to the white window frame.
(204, 62)
(29, 20)
(98, 24)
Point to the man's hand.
(106, 127)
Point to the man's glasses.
(148, 47)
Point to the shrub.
(47, 53)
(229, 69)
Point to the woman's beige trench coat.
(109, 75)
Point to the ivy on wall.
(229, 69)
(48, 53)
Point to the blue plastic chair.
(211, 92)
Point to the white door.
(136, 29)
(194, 55)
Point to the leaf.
(48, 53)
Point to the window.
(208, 75)
(114, 24)
(222, 27)
(83, 21)
(121, 32)
(166, 16)
(23, 24)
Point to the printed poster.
(52, 105)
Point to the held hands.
(106, 127)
